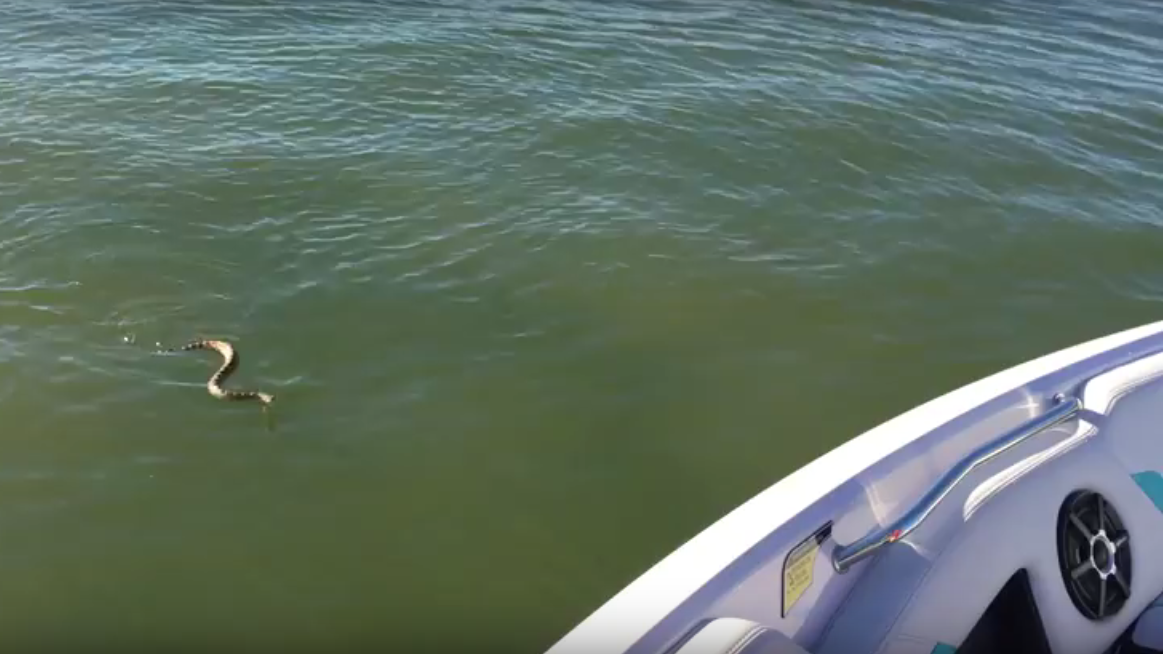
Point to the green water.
(543, 288)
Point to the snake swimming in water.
(230, 362)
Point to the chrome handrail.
(845, 556)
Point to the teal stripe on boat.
(1151, 483)
(943, 648)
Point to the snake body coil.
(230, 362)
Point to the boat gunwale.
(643, 615)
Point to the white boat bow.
(1020, 513)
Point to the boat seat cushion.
(738, 636)
(1146, 636)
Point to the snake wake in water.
(230, 361)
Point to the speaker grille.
(1094, 553)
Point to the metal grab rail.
(845, 556)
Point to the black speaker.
(1094, 553)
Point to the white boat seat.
(738, 636)
(1146, 635)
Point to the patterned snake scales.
(230, 363)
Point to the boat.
(1020, 513)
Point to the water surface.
(543, 288)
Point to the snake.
(230, 361)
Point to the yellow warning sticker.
(799, 566)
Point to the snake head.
(266, 398)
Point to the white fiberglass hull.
(774, 560)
